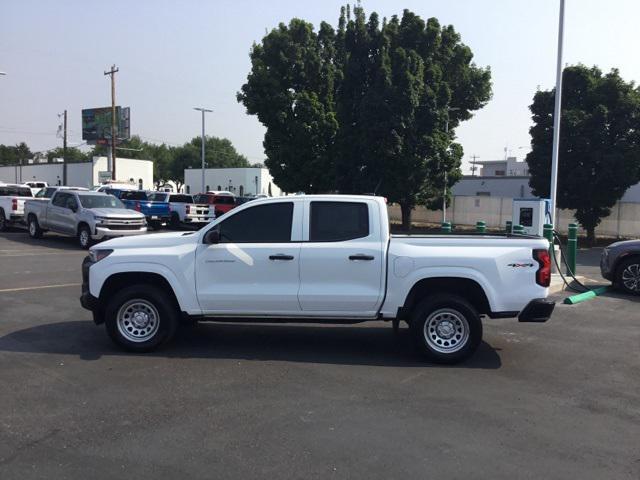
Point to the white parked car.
(12, 198)
(36, 186)
(317, 258)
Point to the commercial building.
(509, 167)
(239, 181)
(83, 174)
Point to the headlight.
(99, 219)
(99, 253)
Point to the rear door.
(57, 210)
(253, 271)
(341, 261)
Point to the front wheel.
(84, 237)
(628, 276)
(140, 318)
(446, 328)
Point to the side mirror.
(212, 236)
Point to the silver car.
(89, 216)
(620, 263)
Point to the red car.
(222, 201)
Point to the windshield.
(100, 201)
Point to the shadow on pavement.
(20, 236)
(342, 345)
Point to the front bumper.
(106, 232)
(87, 300)
(537, 310)
(194, 219)
(605, 267)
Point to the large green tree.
(365, 107)
(599, 151)
(14, 154)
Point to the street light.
(444, 195)
(203, 110)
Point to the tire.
(3, 221)
(84, 237)
(157, 318)
(628, 276)
(174, 223)
(34, 227)
(446, 328)
(155, 225)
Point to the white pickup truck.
(316, 258)
(12, 198)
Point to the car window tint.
(259, 224)
(338, 221)
(60, 199)
(133, 195)
(181, 199)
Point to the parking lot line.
(21, 253)
(21, 289)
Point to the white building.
(83, 174)
(246, 181)
(509, 167)
(508, 186)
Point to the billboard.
(96, 124)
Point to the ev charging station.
(532, 214)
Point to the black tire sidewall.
(618, 280)
(3, 221)
(175, 221)
(166, 311)
(429, 305)
(37, 233)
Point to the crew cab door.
(57, 212)
(253, 270)
(341, 261)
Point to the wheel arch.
(466, 288)
(117, 281)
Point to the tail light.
(137, 207)
(14, 204)
(543, 274)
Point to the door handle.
(361, 256)
(280, 256)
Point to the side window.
(71, 202)
(338, 221)
(60, 199)
(259, 224)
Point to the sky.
(176, 55)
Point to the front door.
(253, 270)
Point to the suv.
(222, 201)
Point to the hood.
(152, 240)
(626, 244)
(116, 213)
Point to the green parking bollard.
(446, 227)
(572, 249)
(481, 227)
(518, 230)
(547, 230)
(509, 226)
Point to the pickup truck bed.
(325, 258)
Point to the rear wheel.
(84, 237)
(446, 328)
(175, 221)
(3, 221)
(140, 318)
(628, 276)
(34, 227)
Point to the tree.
(13, 155)
(363, 108)
(599, 151)
(74, 155)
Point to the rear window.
(181, 198)
(338, 221)
(133, 195)
(157, 197)
(224, 200)
(15, 191)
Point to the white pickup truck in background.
(184, 210)
(12, 198)
(316, 258)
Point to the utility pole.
(112, 73)
(64, 150)
(556, 118)
(203, 110)
(474, 157)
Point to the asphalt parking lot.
(554, 400)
